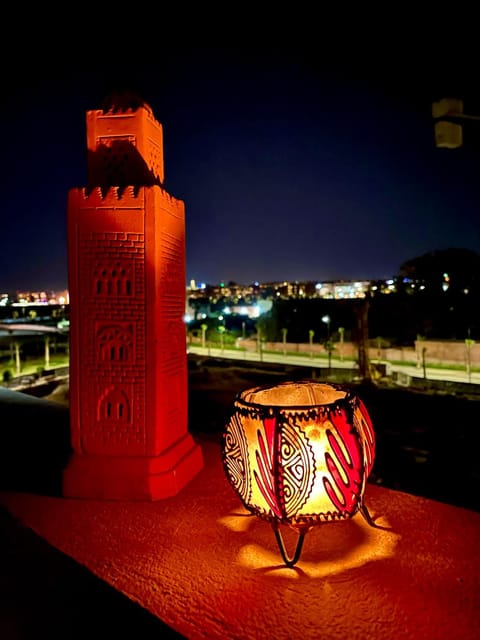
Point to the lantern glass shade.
(299, 454)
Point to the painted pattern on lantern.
(299, 465)
(296, 460)
(342, 457)
(237, 461)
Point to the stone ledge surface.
(207, 569)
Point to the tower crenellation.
(129, 195)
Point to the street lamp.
(328, 343)
(468, 345)
(284, 339)
(259, 345)
(311, 334)
(341, 331)
(204, 328)
(221, 329)
(327, 319)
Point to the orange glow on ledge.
(372, 544)
(238, 521)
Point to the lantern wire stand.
(289, 561)
(292, 561)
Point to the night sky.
(294, 163)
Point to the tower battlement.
(125, 144)
(127, 111)
(116, 197)
(124, 102)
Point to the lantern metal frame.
(347, 405)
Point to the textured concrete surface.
(205, 568)
(196, 566)
(47, 595)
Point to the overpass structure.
(22, 329)
(11, 334)
(16, 327)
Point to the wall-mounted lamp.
(299, 454)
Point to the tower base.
(106, 477)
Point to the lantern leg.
(294, 559)
(365, 513)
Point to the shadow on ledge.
(46, 594)
(34, 443)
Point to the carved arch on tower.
(115, 343)
(113, 406)
(113, 278)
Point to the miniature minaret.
(128, 361)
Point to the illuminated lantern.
(299, 454)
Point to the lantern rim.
(306, 521)
(344, 397)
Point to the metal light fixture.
(299, 454)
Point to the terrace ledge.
(207, 569)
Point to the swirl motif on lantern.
(285, 486)
(298, 464)
(236, 458)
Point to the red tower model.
(128, 362)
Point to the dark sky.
(294, 162)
